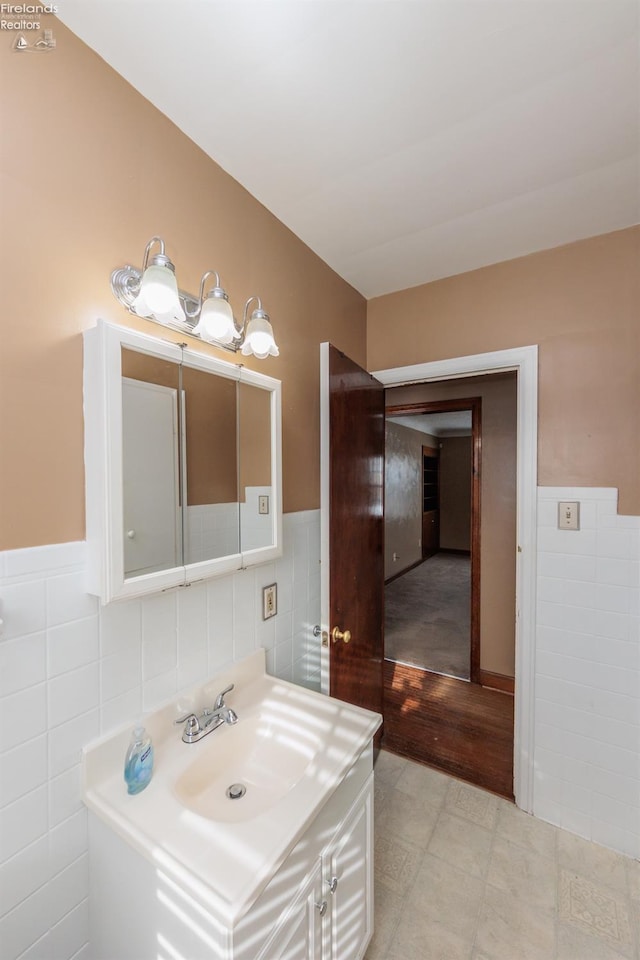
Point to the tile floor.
(461, 874)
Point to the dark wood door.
(356, 558)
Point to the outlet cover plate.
(269, 601)
(568, 515)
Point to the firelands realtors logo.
(23, 20)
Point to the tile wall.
(255, 527)
(218, 529)
(211, 530)
(587, 684)
(71, 670)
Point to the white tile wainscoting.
(587, 683)
(71, 670)
(218, 529)
(211, 530)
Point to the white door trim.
(524, 360)
(325, 497)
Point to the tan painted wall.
(89, 172)
(498, 506)
(581, 304)
(455, 493)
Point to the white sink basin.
(260, 753)
(290, 748)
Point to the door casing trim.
(325, 454)
(524, 361)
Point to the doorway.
(523, 361)
(439, 600)
(432, 534)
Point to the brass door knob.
(338, 634)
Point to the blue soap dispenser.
(138, 763)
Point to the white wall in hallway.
(71, 670)
(587, 684)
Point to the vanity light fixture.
(153, 293)
(215, 316)
(258, 333)
(158, 291)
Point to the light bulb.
(159, 289)
(216, 321)
(259, 340)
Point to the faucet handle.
(193, 724)
(220, 698)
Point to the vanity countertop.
(225, 863)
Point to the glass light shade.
(259, 339)
(158, 294)
(216, 321)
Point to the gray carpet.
(427, 614)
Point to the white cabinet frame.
(103, 463)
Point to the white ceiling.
(454, 423)
(402, 140)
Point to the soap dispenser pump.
(138, 763)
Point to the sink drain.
(236, 790)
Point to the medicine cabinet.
(182, 464)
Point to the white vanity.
(184, 872)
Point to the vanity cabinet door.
(348, 883)
(299, 935)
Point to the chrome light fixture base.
(125, 286)
(153, 294)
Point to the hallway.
(433, 714)
(427, 616)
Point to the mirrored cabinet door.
(256, 493)
(151, 489)
(211, 517)
(182, 456)
(259, 470)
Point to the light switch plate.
(568, 515)
(263, 503)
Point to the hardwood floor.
(461, 728)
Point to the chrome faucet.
(220, 708)
(196, 727)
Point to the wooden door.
(352, 464)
